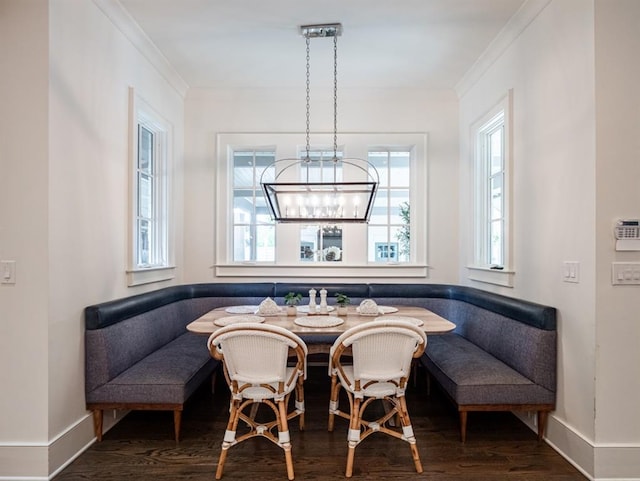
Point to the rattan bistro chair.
(255, 362)
(382, 354)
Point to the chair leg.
(283, 438)
(300, 402)
(407, 430)
(221, 460)
(333, 401)
(97, 423)
(353, 436)
(229, 435)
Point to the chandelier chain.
(308, 99)
(335, 98)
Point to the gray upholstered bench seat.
(473, 376)
(167, 376)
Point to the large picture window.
(250, 243)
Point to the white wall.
(67, 167)
(566, 201)
(618, 196)
(23, 233)
(209, 112)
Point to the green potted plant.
(343, 301)
(292, 299)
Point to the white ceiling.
(385, 44)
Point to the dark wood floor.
(498, 446)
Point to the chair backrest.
(381, 350)
(257, 353)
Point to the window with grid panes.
(321, 242)
(389, 231)
(253, 229)
(150, 239)
(248, 243)
(490, 194)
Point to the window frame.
(393, 243)
(256, 190)
(142, 115)
(287, 146)
(479, 267)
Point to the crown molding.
(124, 22)
(526, 14)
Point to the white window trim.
(390, 188)
(287, 145)
(478, 271)
(140, 110)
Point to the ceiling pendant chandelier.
(299, 192)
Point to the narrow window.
(490, 193)
(491, 205)
(150, 239)
(253, 229)
(390, 223)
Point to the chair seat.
(258, 393)
(376, 390)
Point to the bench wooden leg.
(463, 426)
(177, 420)
(542, 422)
(97, 423)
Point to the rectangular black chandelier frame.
(307, 212)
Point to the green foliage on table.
(342, 299)
(292, 298)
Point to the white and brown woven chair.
(382, 354)
(255, 360)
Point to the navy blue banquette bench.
(501, 356)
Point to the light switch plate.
(625, 273)
(7, 272)
(571, 271)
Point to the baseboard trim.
(596, 461)
(42, 462)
